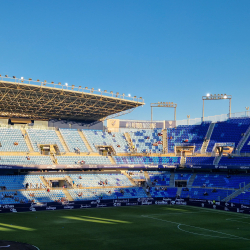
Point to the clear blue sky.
(161, 50)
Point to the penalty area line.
(209, 230)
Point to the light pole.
(247, 108)
(188, 116)
(210, 97)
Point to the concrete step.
(191, 181)
(129, 177)
(85, 141)
(27, 140)
(236, 193)
(44, 181)
(171, 182)
(129, 141)
(111, 159)
(148, 194)
(179, 189)
(65, 147)
(208, 136)
(243, 141)
(149, 182)
(68, 196)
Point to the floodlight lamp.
(14, 77)
(45, 81)
(129, 95)
(225, 96)
(6, 75)
(30, 79)
(105, 91)
(36, 80)
(86, 87)
(59, 83)
(111, 92)
(135, 96)
(52, 82)
(123, 94)
(66, 84)
(208, 94)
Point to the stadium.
(69, 180)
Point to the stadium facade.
(55, 151)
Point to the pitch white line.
(181, 224)
(238, 220)
(203, 234)
(221, 211)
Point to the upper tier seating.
(25, 160)
(73, 140)
(44, 136)
(146, 160)
(12, 140)
(93, 180)
(195, 134)
(199, 160)
(220, 180)
(99, 138)
(159, 178)
(87, 160)
(239, 161)
(143, 140)
(228, 131)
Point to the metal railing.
(215, 118)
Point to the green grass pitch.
(139, 227)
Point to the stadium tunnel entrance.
(106, 150)
(180, 183)
(184, 150)
(47, 149)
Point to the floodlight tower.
(214, 97)
(163, 105)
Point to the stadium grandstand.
(55, 149)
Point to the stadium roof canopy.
(36, 100)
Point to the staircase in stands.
(236, 193)
(85, 141)
(27, 140)
(191, 181)
(111, 159)
(171, 181)
(67, 194)
(147, 178)
(65, 147)
(208, 136)
(129, 177)
(242, 141)
(217, 160)
(129, 140)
